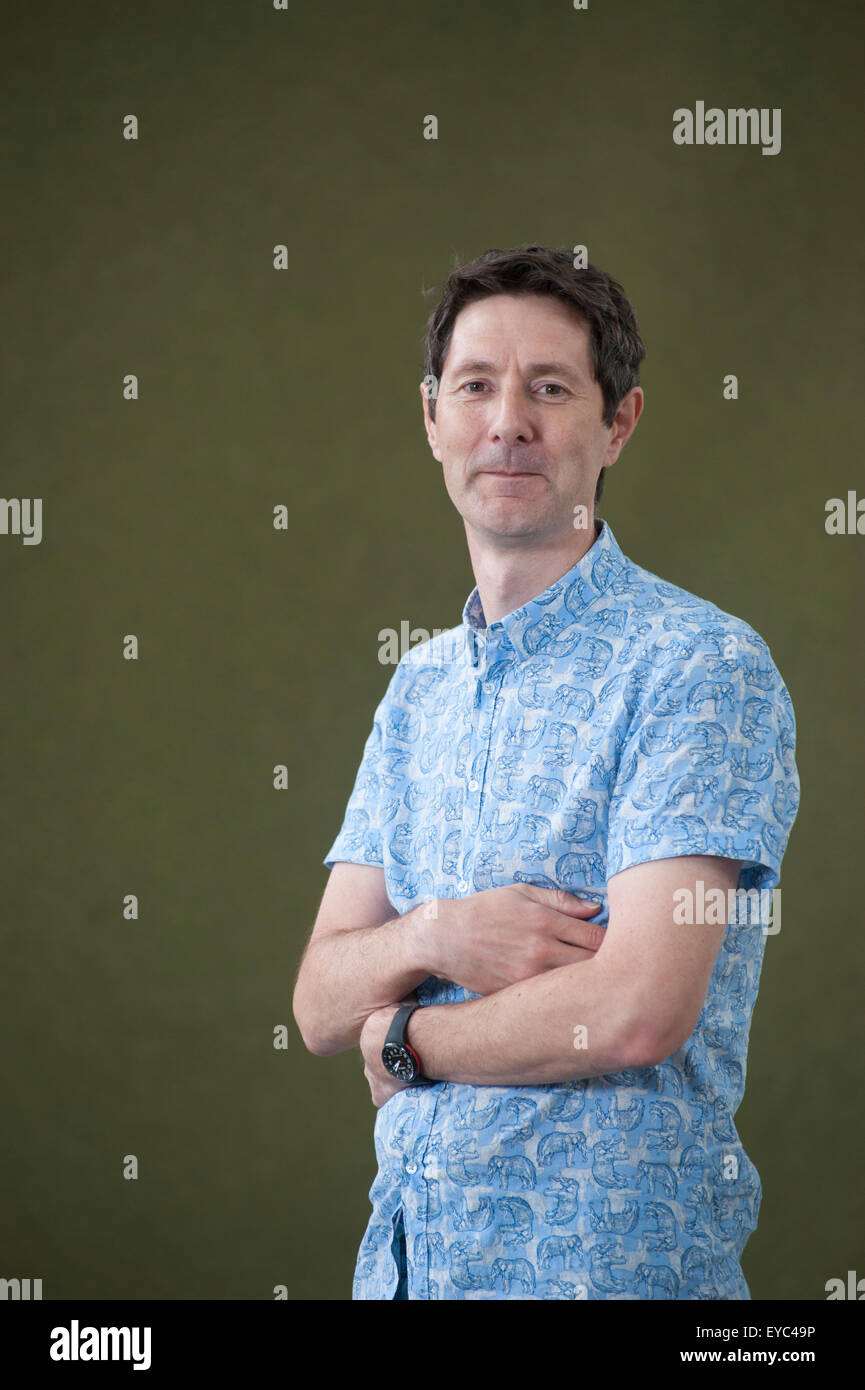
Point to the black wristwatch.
(399, 1057)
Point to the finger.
(573, 905)
(577, 907)
(572, 954)
(561, 900)
(588, 934)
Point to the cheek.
(456, 445)
(461, 421)
(454, 481)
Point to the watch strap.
(396, 1034)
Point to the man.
(551, 795)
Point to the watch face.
(399, 1062)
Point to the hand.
(497, 937)
(372, 1037)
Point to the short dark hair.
(600, 302)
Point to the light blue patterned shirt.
(612, 720)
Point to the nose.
(511, 421)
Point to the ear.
(627, 415)
(431, 431)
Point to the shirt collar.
(541, 624)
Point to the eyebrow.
(535, 368)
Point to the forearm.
(525, 1034)
(347, 975)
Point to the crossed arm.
(629, 1003)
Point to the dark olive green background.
(259, 647)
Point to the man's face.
(518, 428)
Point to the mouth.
(496, 473)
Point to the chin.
(514, 511)
(511, 528)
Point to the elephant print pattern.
(612, 720)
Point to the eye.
(473, 383)
(552, 385)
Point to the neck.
(507, 578)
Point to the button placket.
(471, 802)
(486, 729)
(421, 1271)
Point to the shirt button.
(473, 786)
(462, 885)
(411, 1167)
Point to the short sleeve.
(708, 765)
(360, 838)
